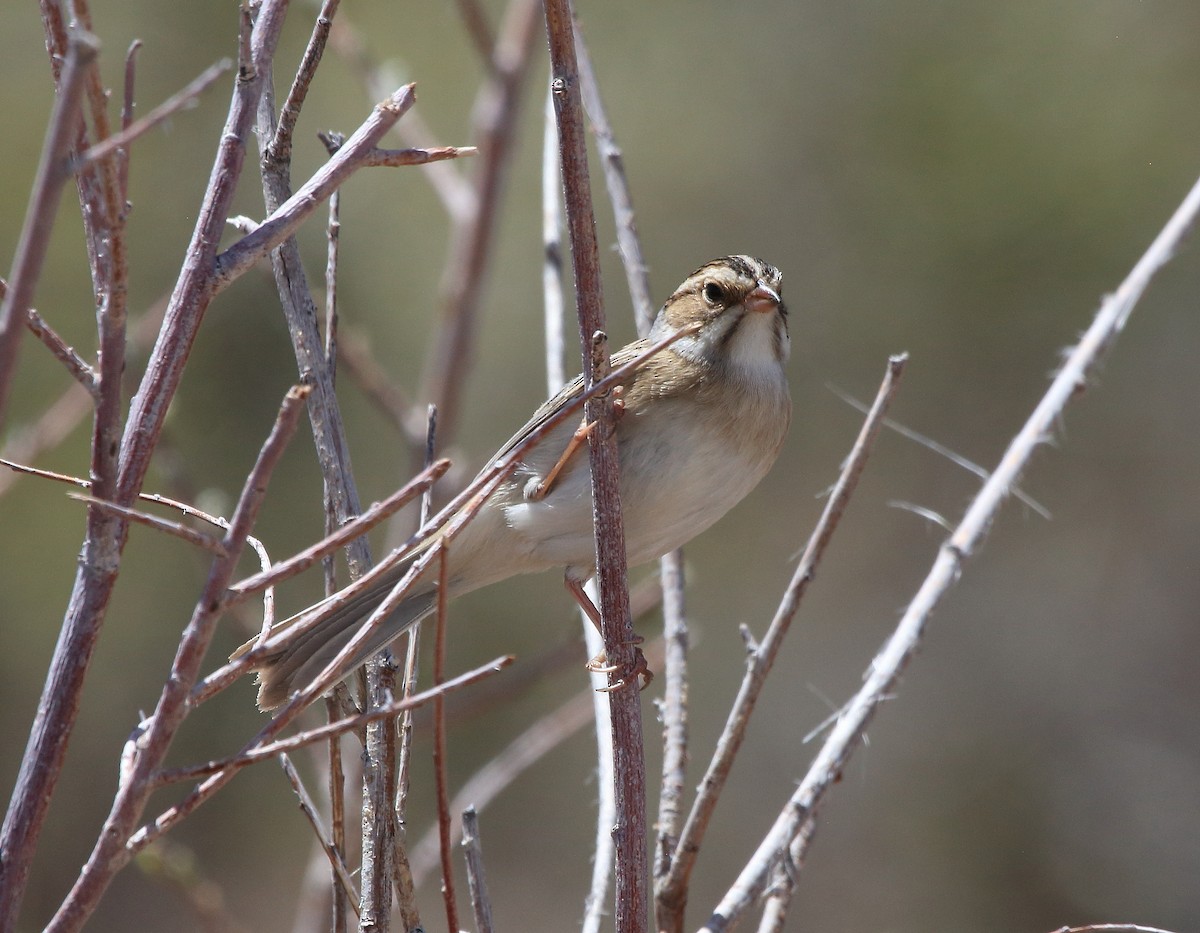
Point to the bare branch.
(186, 98)
(100, 562)
(617, 624)
(285, 220)
(672, 890)
(481, 904)
(79, 369)
(377, 512)
(308, 808)
(190, 535)
(888, 665)
(111, 852)
(52, 174)
(260, 750)
(279, 149)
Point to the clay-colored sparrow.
(702, 423)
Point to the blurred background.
(959, 180)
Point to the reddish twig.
(342, 897)
(441, 778)
(629, 832)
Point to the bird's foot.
(638, 670)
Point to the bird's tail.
(299, 659)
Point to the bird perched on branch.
(700, 423)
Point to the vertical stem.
(52, 175)
(439, 750)
(629, 832)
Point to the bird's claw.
(639, 669)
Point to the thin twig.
(79, 369)
(341, 896)
(412, 653)
(257, 750)
(481, 903)
(285, 220)
(672, 890)
(308, 808)
(673, 711)
(280, 146)
(52, 175)
(183, 100)
(127, 108)
(941, 449)
(441, 778)
(396, 158)
(377, 512)
(888, 665)
(198, 538)
(629, 831)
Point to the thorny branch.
(886, 668)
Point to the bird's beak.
(763, 300)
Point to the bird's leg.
(542, 488)
(599, 664)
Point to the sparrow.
(699, 425)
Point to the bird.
(699, 424)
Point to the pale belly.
(670, 492)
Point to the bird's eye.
(714, 294)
